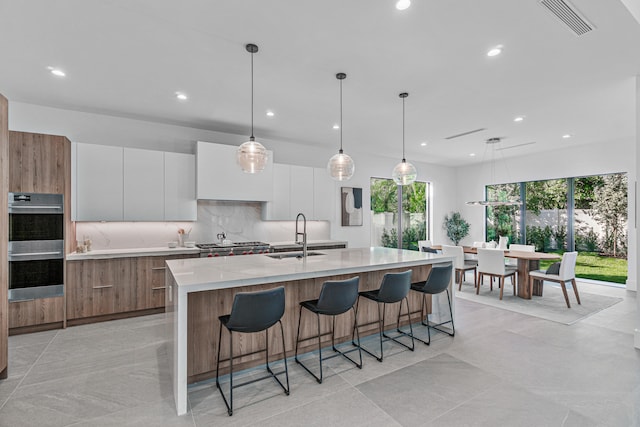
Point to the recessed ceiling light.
(423, 144)
(518, 119)
(403, 4)
(270, 113)
(566, 136)
(495, 51)
(56, 71)
(336, 126)
(181, 96)
(472, 155)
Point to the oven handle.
(36, 254)
(34, 207)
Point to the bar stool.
(437, 282)
(394, 288)
(336, 297)
(252, 312)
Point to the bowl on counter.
(189, 244)
(172, 244)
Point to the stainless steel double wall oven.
(36, 246)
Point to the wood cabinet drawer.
(36, 312)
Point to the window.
(385, 220)
(585, 214)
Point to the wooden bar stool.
(394, 288)
(252, 312)
(336, 297)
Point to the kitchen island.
(200, 290)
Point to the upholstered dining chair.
(491, 263)
(460, 264)
(521, 248)
(567, 273)
(424, 244)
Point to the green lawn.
(590, 265)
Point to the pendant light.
(341, 166)
(251, 155)
(493, 142)
(404, 173)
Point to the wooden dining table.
(527, 262)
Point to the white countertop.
(197, 274)
(131, 252)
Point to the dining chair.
(521, 248)
(424, 244)
(461, 265)
(566, 274)
(503, 242)
(491, 263)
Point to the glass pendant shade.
(252, 157)
(341, 166)
(404, 173)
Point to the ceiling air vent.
(569, 15)
(465, 133)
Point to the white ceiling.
(128, 58)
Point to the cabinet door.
(301, 191)
(37, 163)
(325, 195)
(279, 207)
(220, 178)
(180, 187)
(143, 185)
(99, 183)
(36, 312)
(101, 286)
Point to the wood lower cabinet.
(108, 288)
(35, 313)
(151, 280)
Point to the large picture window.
(586, 214)
(393, 207)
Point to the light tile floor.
(502, 368)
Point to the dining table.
(527, 262)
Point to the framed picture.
(351, 198)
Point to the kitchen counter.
(201, 289)
(130, 252)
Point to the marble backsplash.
(241, 221)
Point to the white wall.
(109, 130)
(595, 159)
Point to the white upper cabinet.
(98, 183)
(279, 207)
(301, 192)
(180, 187)
(220, 178)
(126, 184)
(325, 195)
(143, 185)
(301, 189)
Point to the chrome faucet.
(303, 234)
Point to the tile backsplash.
(241, 221)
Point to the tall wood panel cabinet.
(40, 163)
(4, 237)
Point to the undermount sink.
(292, 255)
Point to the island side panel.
(206, 306)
